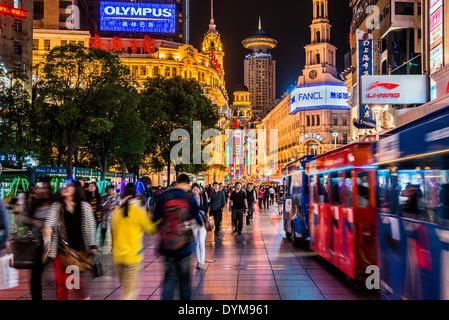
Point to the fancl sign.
(400, 89)
(138, 17)
(319, 96)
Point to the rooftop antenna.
(212, 22)
(260, 22)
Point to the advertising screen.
(138, 17)
(319, 96)
(436, 34)
(389, 89)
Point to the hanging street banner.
(365, 61)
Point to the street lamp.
(314, 146)
(377, 109)
(335, 134)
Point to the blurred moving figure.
(238, 206)
(4, 226)
(177, 208)
(199, 230)
(108, 204)
(75, 214)
(41, 199)
(128, 223)
(94, 199)
(251, 198)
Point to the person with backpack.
(217, 203)
(128, 223)
(238, 206)
(251, 198)
(178, 210)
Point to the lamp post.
(377, 109)
(314, 146)
(335, 134)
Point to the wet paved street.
(259, 265)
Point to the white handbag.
(9, 277)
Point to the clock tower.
(321, 61)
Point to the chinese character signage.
(138, 17)
(319, 96)
(436, 34)
(365, 69)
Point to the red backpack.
(174, 233)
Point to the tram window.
(363, 190)
(348, 188)
(312, 189)
(335, 189)
(384, 192)
(443, 196)
(411, 187)
(323, 189)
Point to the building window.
(313, 121)
(335, 121)
(345, 122)
(35, 44)
(17, 47)
(174, 72)
(72, 42)
(404, 8)
(47, 45)
(167, 72)
(38, 9)
(318, 120)
(81, 43)
(17, 26)
(308, 121)
(143, 71)
(155, 71)
(63, 42)
(134, 71)
(318, 58)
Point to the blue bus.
(413, 209)
(296, 203)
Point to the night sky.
(286, 20)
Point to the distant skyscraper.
(260, 71)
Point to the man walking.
(251, 198)
(272, 192)
(217, 203)
(238, 206)
(177, 208)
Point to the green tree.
(170, 104)
(15, 115)
(77, 83)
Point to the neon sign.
(138, 17)
(13, 12)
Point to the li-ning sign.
(401, 89)
(138, 17)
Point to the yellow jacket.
(127, 233)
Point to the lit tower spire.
(260, 23)
(212, 25)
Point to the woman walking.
(200, 232)
(128, 223)
(69, 239)
(94, 199)
(261, 192)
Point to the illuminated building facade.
(92, 16)
(260, 71)
(388, 45)
(148, 57)
(16, 31)
(314, 117)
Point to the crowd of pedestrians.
(72, 227)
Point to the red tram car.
(343, 208)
